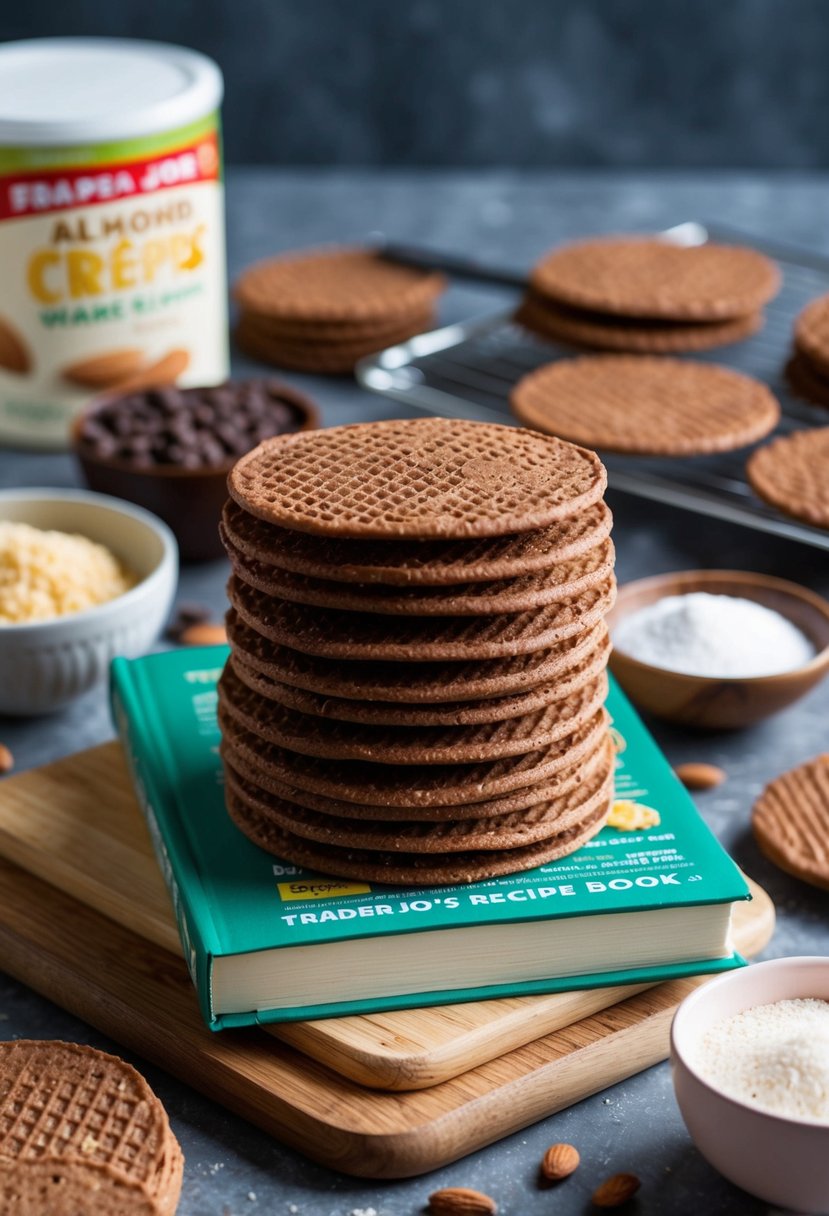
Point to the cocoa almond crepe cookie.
(452, 713)
(792, 473)
(646, 405)
(638, 335)
(399, 868)
(505, 831)
(378, 784)
(806, 382)
(81, 1131)
(404, 745)
(407, 683)
(790, 821)
(417, 563)
(649, 277)
(422, 478)
(811, 334)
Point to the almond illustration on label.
(165, 370)
(15, 355)
(107, 369)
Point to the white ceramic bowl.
(781, 1160)
(45, 665)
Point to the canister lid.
(57, 91)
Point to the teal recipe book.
(268, 941)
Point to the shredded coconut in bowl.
(774, 1057)
(720, 636)
(46, 574)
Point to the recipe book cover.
(230, 897)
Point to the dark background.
(650, 83)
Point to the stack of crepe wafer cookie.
(808, 369)
(323, 310)
(82, 1132)
(648, 296)
(417, 674)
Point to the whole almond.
(616, 1190)
(461, 1201)
(6, 759)
(14, 353)
(204, 634)
(106, 369)
(700, 776)
(559, 1161)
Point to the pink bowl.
(781, 1160)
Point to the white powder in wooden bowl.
(49, 574)
(774, 1057)
(720, 636)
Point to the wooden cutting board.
(77, 823)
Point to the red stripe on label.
(41, 193)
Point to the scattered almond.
(6, 759)
(14, 353)
(559, 1161)
(700, 776)
(106, 369)
(184, 616)
(461, 1201)
(616, 1190)
(204, 635)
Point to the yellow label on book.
(320, 888)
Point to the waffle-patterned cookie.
(326, 356)
(417, 563)
(395, 868)
(561, 783)
(792, 473)
(411, 683)
(510, 831)
(646, 405)
(423, 478)
(811, 334)
(455, 713)
(520, 594)
(335, 285)
(408, 745)
(806, 381)
(381, 785)
(352, 635)
(72, 1106)
(637, 335)
(646, 277)
(790, 821)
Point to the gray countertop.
(506, 218)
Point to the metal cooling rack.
(467, 371)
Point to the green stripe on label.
(24, 159)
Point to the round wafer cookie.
(352, 635)
(413, 786)
(637, 335)
(423, 478)
(411, 683)
(646, 405)
(811, 333)
(72, 1105)
(334, 358)
(520, 594)
(649, 277)
(399, 869)
(418, 563)
(806, 382)
(790, 821)
(792, 473)
(563, 782)
(454, 713)
(332, 333)
(335, 284)
(408, 745)
(51, 1187)
(538, 822)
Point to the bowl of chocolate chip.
(170, 449)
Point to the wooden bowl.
(189, 501)
(721, 704)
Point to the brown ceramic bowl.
(189, 501)
(721, 704)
